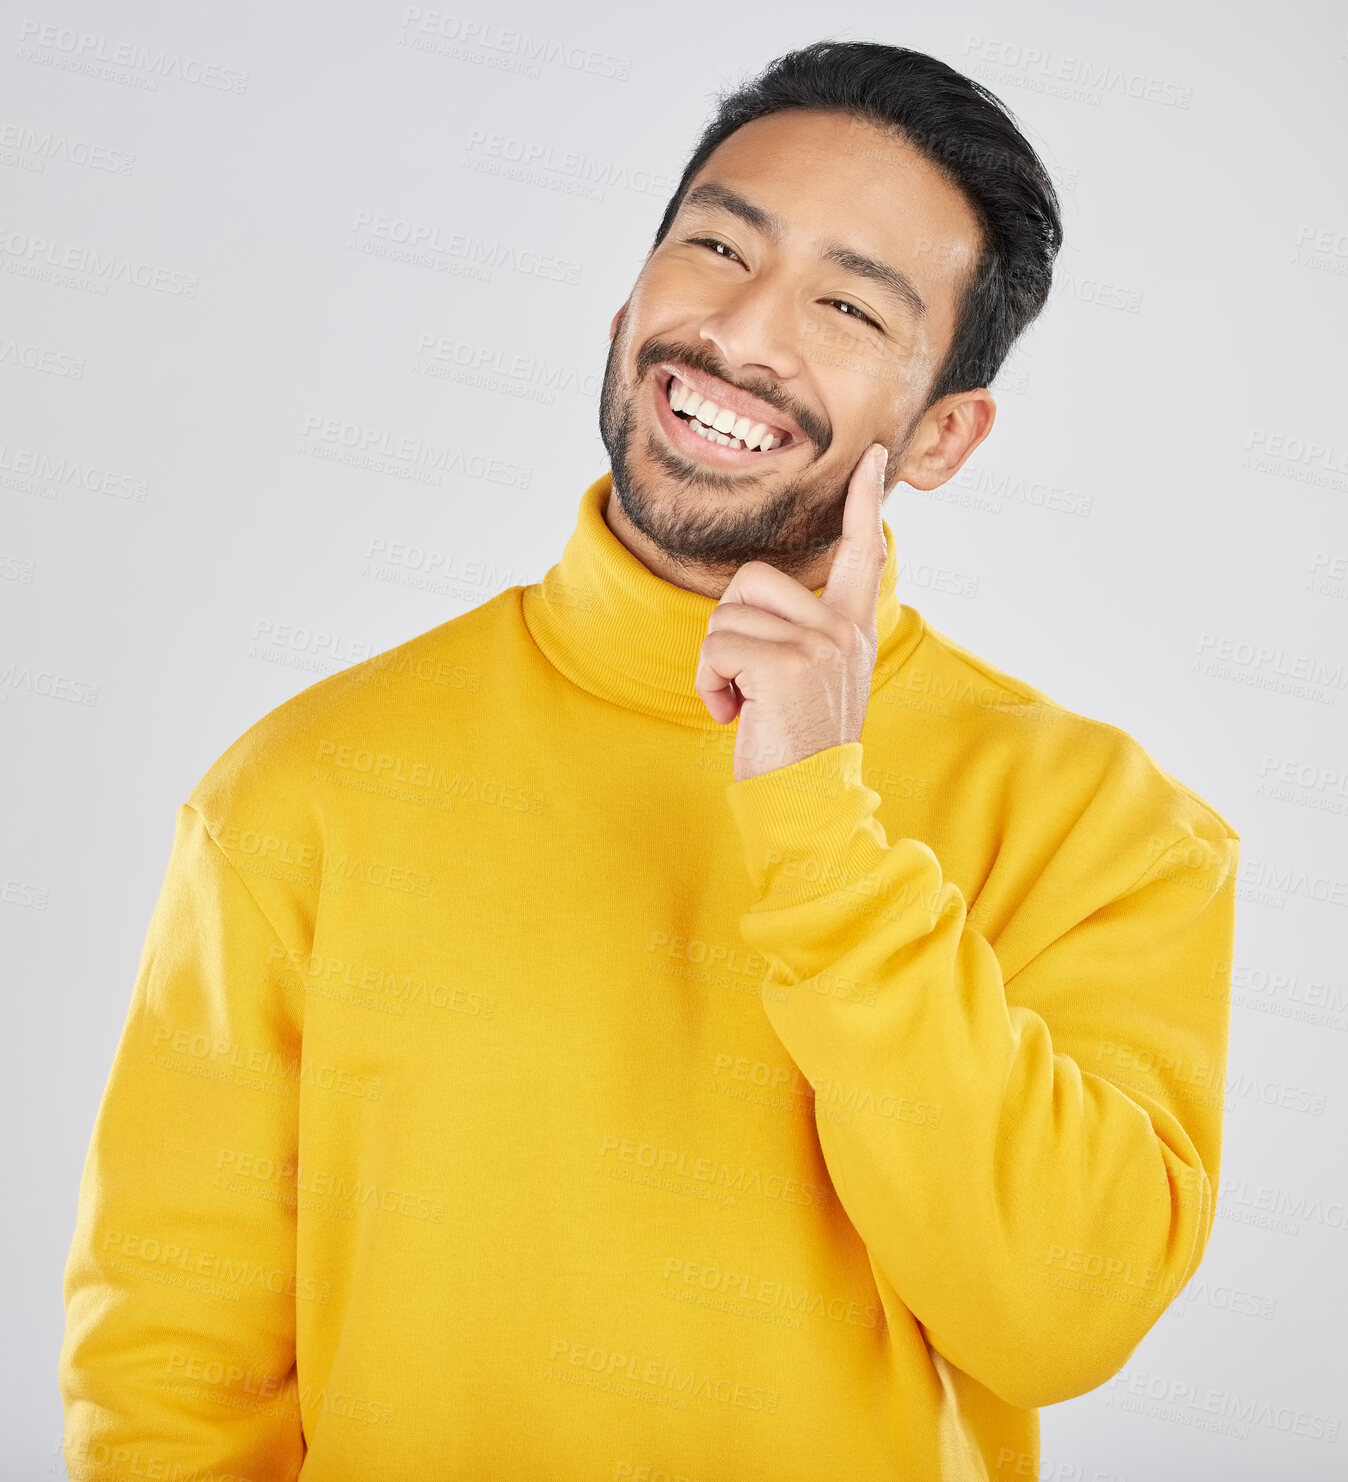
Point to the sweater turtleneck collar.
(614, 628)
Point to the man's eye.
(731, 255)
(713, 243)
(855, 312)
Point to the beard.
(685, 510)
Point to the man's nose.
(757, 328)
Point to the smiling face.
(801, 303)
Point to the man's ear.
(617, 319)
(945, 437)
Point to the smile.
(704, 428)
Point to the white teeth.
(711, 437)
(714, 423)
(682, 397)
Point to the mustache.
(817, 429)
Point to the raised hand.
(795, 668)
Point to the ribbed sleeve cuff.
(808, 828)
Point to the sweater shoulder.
(1044, 746)
(422, 683)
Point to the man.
(686, 1017)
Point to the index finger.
(853, 586)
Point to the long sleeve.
(180, 1287)
(1031, 1163)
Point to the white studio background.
(1156, 534)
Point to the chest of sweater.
(552, 1153)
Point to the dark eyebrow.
(899, 286)
(710, 194)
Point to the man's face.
(769, 299)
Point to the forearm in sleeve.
(982, 1135)
(180, 1287)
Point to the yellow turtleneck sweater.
(507, 1092)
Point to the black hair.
(968, 134)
